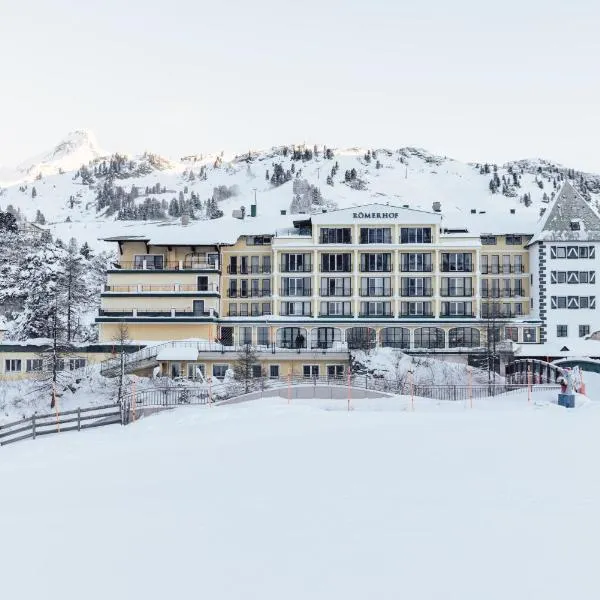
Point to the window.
(296, 286)
(416, 286)
(456, 261)
(12, 365)
(273, 371)
(584, 330)
(514, 240)
(375, 286)
(484, 264)
(395, 337)
(419, 262)
(148, 261)
(572, 252)
(258, 240)
(336, 262)
(573, 277)
(266, 308)
(196, 371)
(33, 364)
(430, 337)
(360, 338)
(335, 371)
(310, 370)
(561, 331)
(415, 235)
(295, 263)
(511, 333)
(291, 337)
(266, 264)
(558, 252)
(381, 309)
(464, 337)
(245, 335)
(416, 309)
(457, 309)
(573, 302)
(243, 310)
(336, 235)
(558, 302)
(457, 286)
(375, 262)
(325, 337)
(219, 371)
(488, 240)
(233, 309)
(529, 335)
(256, 371)
(262, 336)
(376, 235)
(583, 277)
(296, 308)
(336, 286)
(558, 276)
(331, 309)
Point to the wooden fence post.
(33, 426)
(79, 418)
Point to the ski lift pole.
(529, 383)
(349, 389)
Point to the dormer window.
(575, 226)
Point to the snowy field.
(275, 501)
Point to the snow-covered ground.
(268, 500)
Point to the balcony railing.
(249, 270)
(248, 293)
(375, 291)
(326, 293)
(179, 265)
(167, 288)
(456, 269)
(366, 269)
(417, 293)
(295, 293)
(422, 269)
(447, 315)
(139, 313)
(296, 269)
(502, 269)
(384, 314)
(326, 269)
(406, 314)
(251, 313)
(457, 293)
(518, 293)
(326, 313)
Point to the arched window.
(430, 337)
(395, 337)
(464, 337)
(291, 337)
(360, 338)
(325, 337)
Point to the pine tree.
(33, 192)
(244, 366)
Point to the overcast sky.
(460, 78)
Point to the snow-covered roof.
(177, 354)
(571, 218)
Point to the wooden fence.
(61, 422)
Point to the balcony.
(336, 315)
(375, 291)
(386, 314)
(164, 288)
(456, 268)
(447, 315)
(418, 269)
(251, 313)
(456, 294)
(248, 293)
(416, 292)
(295, 293)
(518, 293)
(503, 269)
(249, 270)
(166, 266)
(143, 313)
(404, 314)
(296, 269)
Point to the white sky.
(459, 78)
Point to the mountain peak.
(76, 148)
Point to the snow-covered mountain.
(86, 193)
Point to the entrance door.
(198, 308)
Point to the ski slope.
(268, 500)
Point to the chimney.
(437, 207)
(473, 211)
(512, 211)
